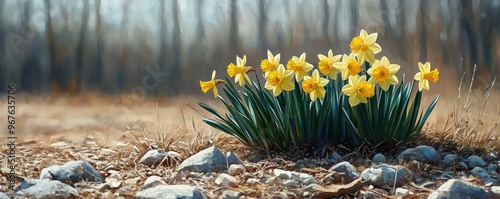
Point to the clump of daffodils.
(303, 104)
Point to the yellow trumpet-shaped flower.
(383, 72)
(271, 63)
(280, 80)
(365, 47)
(314, 85)
(358, 90)
(212, 84)
(425, 75)
(299, 66)
(349, 66)
(325, 64)
(239, 71)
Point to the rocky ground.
(137, 161)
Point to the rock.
(450, 160)
(368, 194)
(425, 154)
(495, 191)
(153, 157)
(345, 170)
(401, 191)
(44, 188)
(3, 196)
(491, 156)
(236, 169)
(152, 181)
(304, 178)
(289, 183)
(379, 158)
(482, 174)
(171, 191)
(226, 180)
(102, 187)
(475, 161)
(458, 189)
(230, 194)
(233, 158)
(253, 181)
(210, 159)
(335, 158)
(492, 168)
(384, 174)
(71, 172)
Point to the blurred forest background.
(164, 47)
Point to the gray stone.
(458, 189)
(3, 196)
(233, 158)
(152, 181)
(153, 157)
(45, 188)
(71, 172)
(345, 170)
(210, 159)
(384, 174)
(335, 158)
(425, 154)
(289, 183)
(379, 158)
(230, 194)
(482, 174)
(491, 156)
(225, 179)
(492, 167)
(236, 169)
(475, 161)
(171, 192)
(303, 178)
(401, 191)
(450, 159)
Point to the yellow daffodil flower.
(425, 75)
(239, 71)
(365, 47)
(314, 85)
(299, 66)
(325, 64)
(358, 90)
(280, 80)
(383, 72)
(271, 63)
(212, 84)
(349, 66)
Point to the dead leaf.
(337, 190)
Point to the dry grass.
(471, 123)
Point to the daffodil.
(365, 47)
(280, 80)
(239, 71)
(349, 66)
(358, 90)
(271, 63)
(299, 66)
(212, 84)
(383, 72)
(325, 64)
(425, 75)
(314, 85)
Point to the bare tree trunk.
(326, 22)
(423, 33)
(262, 27)
(402, 26)
(120, 79)
(233, 41)
(98, 70)
(175, 71)
(163, 44)
(467, 37)
(51, 41)
(353, 5)
(81, 46)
